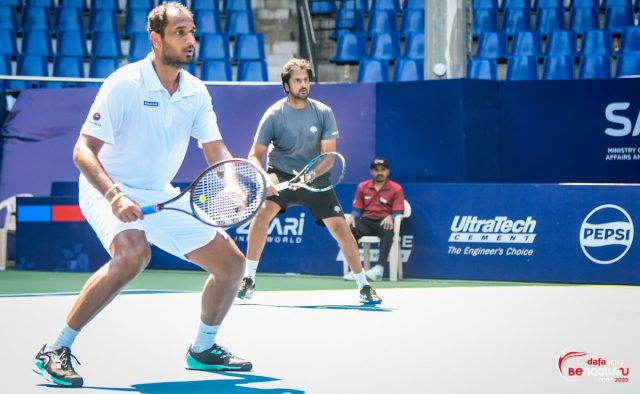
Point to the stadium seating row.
(493, 45)
(351, 47)
(317, 7)
(556, 67)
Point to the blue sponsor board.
(511, 232)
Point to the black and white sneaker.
(55, 366)
(216, 358)
(246, 288)
(369, 296)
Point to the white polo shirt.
(146, 131)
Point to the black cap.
(379, 161)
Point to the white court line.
(436, 340)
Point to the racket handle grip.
(281, 186)
(149, 209)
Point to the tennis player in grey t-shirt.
(294, 130)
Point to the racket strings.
(328, 172)
(228, 194)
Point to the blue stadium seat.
(388, 5)
(320, 7)
(69, 19)
(582, 19)
(106, 44)
(249, 47)
(594, 67)
(15, 3)
(239, 22)
(515, 20)
(492, 45)
(484, 20)
(381, 21)
(482, 69)
(8, 45)
(348, 20)
(252, 70)
(515, 4)
(351, 5)
(558, 67)
(520, 68)
(216, 70)
(139, 46)
(102, 67)
(67, 66)
(8, 18)
(136, 21)
(372, 70)
(5, 68)
(42, 3)
(237, 5)
(485, 4)
(147, 4)
(628, 65)
(214, 46)
(549, 19)
(35, 18)
(207, 21)
(105, 5)
(81, 4)
(618, 17)
(198, 5)
(526, 43)
(561, 43)
(584, 3)
(350, 48)
(37, 42)
(414, 46)
(596, 43)
(537, 4)
(32, 65)
(385, 46)
(412, 22)
(408, 70)
(71, 43)
(604, 4)
(630, 41)
(413, 5)
(103, 20)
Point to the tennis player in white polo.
(130, 148)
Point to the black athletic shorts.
(321, 204)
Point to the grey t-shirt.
(293, 135)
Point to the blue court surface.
(518, 339)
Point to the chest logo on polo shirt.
(383, 200)
(313, 129)
(151, 103)
(367, 197)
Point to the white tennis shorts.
(174, 232)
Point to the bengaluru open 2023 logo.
(606, 234)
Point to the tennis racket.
(322, 173)
(226, 194)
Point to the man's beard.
(174, 61)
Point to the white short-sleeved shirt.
(146, 131)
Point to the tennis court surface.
(437, 337)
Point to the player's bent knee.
(129, 262)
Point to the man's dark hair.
(294, 64)
(157, 19)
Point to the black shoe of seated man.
(55, 366)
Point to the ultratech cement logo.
(606, 234)
(499, 230)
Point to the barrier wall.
(516, 232)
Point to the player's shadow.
(363, 308)
(233, 383)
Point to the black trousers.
(365, 226)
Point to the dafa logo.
(606, 234)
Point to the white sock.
(66, 338)
(251, 268)
(361, 279)
(205, 339)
